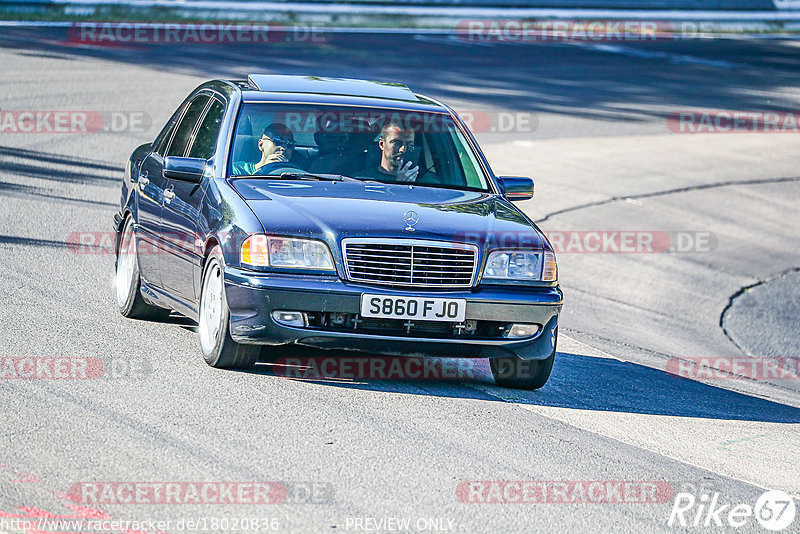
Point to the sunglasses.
(280, 141)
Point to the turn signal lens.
(254, 251)
(550, 270)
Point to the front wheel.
(128, 281)
(517, 373)
(219, 349)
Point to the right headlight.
(286, 252)
(521, 265)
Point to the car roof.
(340, 91)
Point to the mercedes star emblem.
(410, 218)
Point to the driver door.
(178, 238)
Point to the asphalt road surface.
(591, 123)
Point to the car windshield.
(370, 144)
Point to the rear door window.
(205, 142)
(161, 144)
(183, 133)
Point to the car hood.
(333, 211)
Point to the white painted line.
(764, 454)
(321, 29)
(768, 459)
(786, 4)
(594, 349)
(377, 30)
(34, 24)
(683, 59)
(448, 11)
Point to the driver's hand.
(277, 157)
(407, 173)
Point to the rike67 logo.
(774, 510)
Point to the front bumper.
(253, 296)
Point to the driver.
(394, 142)
(276, 146)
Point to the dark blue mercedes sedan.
(337, 214)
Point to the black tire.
(218, 348)
(129, 297)
(517, 373)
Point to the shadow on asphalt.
(578, 382)
(626, 80)
(31, 242)
(38, 155)
(8, 188)
(33, 164)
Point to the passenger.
(394, 142)
(277, 147)
(334, 151)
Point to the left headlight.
(521, 265)
(287, 252)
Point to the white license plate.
(419, 308)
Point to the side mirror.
(184, 169)
(516, 187)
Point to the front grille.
(410, 263)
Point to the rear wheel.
(517, 373)
(219, 349)
(128, 282)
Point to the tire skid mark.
(665, 192)
(739, 293)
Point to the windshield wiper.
(313, 177)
